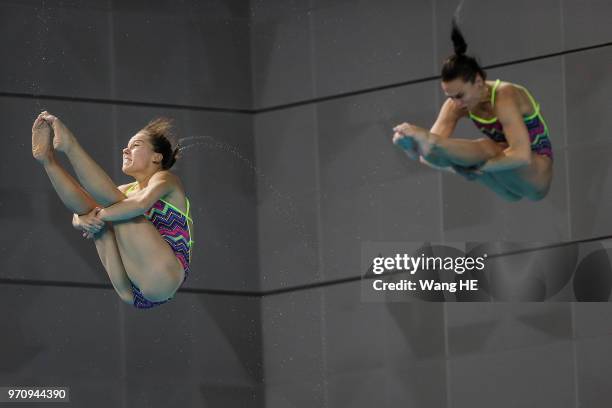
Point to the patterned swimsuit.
(538, 131)
(173, 225)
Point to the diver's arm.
(161, 184)
(518, 152)
(443, 128)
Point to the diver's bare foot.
(421, 136)
(425, 143)
(63, 139)
(408, 144)
(42, 149)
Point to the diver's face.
(138, 155)
(464, 94)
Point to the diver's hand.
(88, 223)
(408, 129)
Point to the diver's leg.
(464, 152)
(489, 180)
(532, 181)
(79, 201)
(106, 245)
(70, 192)
(74, 197)
(148, 259)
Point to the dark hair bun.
(459, 43)
(460, 65)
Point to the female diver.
(142, 230)
(515, 160)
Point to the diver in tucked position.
(515, 160)
(142, 230)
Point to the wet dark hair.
(160, 133)
(460, 65)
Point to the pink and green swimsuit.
(173, 225)
(538, 131)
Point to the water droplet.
(282, 203)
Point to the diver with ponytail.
(515, 159)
